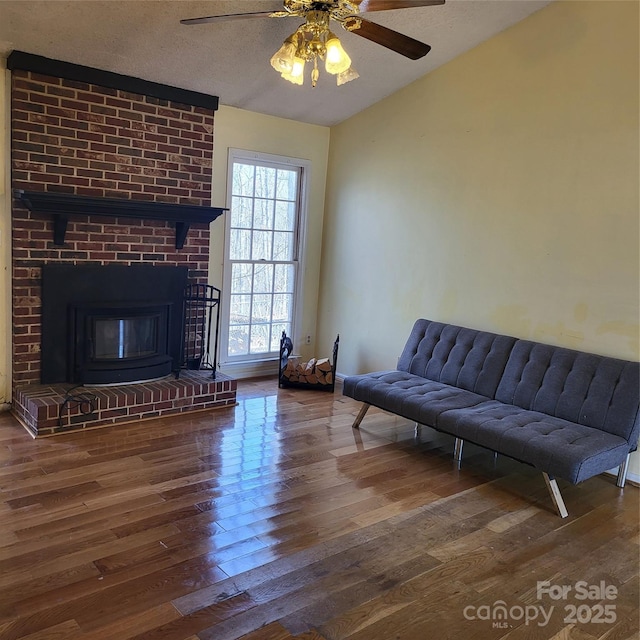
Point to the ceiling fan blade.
(385, 5)
(398, 42)
(229, 16)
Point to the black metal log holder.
(201, 310)
(286, 349)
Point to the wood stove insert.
(115, 343)
(111, 324)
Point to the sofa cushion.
(408, 395)
(584, 388)
(559, 447)
(466, 358)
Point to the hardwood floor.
(274, 520)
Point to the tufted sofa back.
(588, 389)
(592, 390)
(464, 358)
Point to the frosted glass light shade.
(298, 67)
(347, 76)
(296, 75)
(282, 60)
(337, 59)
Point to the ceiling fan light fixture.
(347, 76)
(337, 60)
(311, 42)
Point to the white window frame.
(237, 364)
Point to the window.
(262, 254)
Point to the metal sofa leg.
(556, 496)
(622, 472)
(358, 420)
(457, 450)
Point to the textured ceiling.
(144, 38)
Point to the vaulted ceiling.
(144, 38)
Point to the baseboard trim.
(632, 478)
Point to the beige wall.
(5, 243)
(499, 192)
(240, 129)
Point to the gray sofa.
(571, 415)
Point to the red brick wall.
(80, 138)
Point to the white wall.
(240, 129)
(499, 192)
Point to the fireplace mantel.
(61, 205)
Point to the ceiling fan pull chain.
(315, 74)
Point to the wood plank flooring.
(274, 520)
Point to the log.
(310, 365)
(324, 364)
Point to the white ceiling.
(144, 39)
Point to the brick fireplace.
(83, 139)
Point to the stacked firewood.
(311, 372)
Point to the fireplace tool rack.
(201, 310)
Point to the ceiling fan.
(314, 40)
